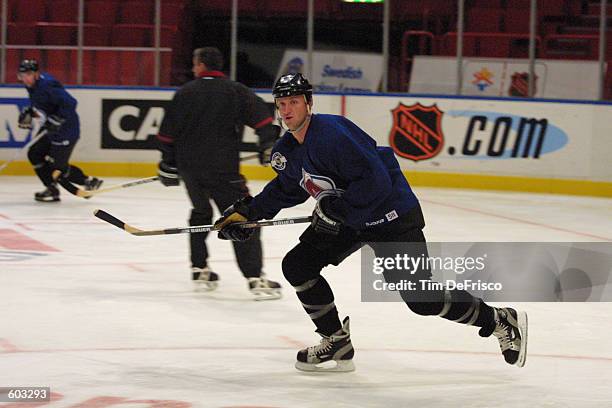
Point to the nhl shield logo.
(417, 131)
(519, 86)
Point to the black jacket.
(202, 126)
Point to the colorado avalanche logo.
(319, 186)
(279, 162)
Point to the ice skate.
(334, 353)
(206, 279)
(93, 183)
(263, 288)
(50, 194)
(511, 332)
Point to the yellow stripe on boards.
(421, 179)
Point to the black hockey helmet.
(292, 84)
(28, 65)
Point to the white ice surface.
(108, 319)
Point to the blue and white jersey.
(49, 97)
(338, 158)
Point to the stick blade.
(104, 216)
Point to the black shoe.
(511, 332)
(50, 194)
(93, 183)
(336, 348)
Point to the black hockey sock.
(76, 175)
(461, 307)
(43, 171)
(318, 301)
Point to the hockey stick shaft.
(122, 185)
(103, 215)
(41, 132)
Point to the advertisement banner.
(505, 77)
(481, 136)
(336, 71)
(131, 123)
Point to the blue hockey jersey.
(339, 158)
(49, 96)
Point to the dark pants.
(224, 192)
(47, 156)
(302, 267)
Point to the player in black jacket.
(199, 139)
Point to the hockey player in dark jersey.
(362, 197)
(56, 109)
(199, 139)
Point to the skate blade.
(341, 366)
(262, 294)
(205, 286)
(47, 200)
(522, 323)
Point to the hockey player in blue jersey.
(56, 109)
(362, 197)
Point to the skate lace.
(502, 332)
(322, 347)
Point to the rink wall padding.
(443, 141)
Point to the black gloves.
(54, 123)
(324, 219)
(168, 175)
(25, 117)
(237, 212)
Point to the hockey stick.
(41, 132)
(103, 215)
(90, 193)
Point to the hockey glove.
(54, 123)
(237, 212)
(168, 175)
(324, 219)
(25, 117)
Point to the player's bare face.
(292, 110)
(28, 78)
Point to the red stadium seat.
(22, 34)
(552, 8)
(165, 72)
(96, 35)
(487, 3)
(132, 35)
(136, 12)
(215, 7)
(57, 33)
(360, 12)
(286, 9)
(448, 45)
(516, 21)
(493, 47)
(28, 10)
(62, 64)
(63, 11)
(169, 36)
(137, 68)
(172, 13)
(102, 12)
(484, 20)
(101, 67)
